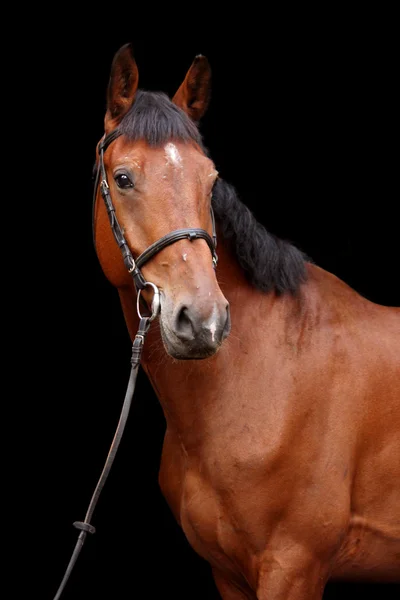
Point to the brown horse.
(281, 458)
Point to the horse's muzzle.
(190, 334)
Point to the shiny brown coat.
(281, 458)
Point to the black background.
(304, 122)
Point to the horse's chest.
(208, 525)
(198, 507)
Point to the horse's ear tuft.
(124, 79)
(193, 95)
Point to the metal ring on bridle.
(155, 303)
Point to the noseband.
(133, 267)
(131, 264)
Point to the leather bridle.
(140, 282)
(132, 265)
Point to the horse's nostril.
(183, 324)
(227, 326)
(190, 325)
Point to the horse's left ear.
(194, 94)
(122, 87)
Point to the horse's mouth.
(201, 347)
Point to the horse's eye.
(123, 181)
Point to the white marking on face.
(172, 155)
(212, 323)
(213, 329)
(184, 256)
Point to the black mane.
(268, 262)
(154, 118)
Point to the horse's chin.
(188, 350)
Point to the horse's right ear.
(122, 87)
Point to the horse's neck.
(257, 362)
(187, 389)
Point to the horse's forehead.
(173, 155)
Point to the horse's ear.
(194, 93)
(122, 87)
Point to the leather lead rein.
(133, 267)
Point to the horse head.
(161, 180)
